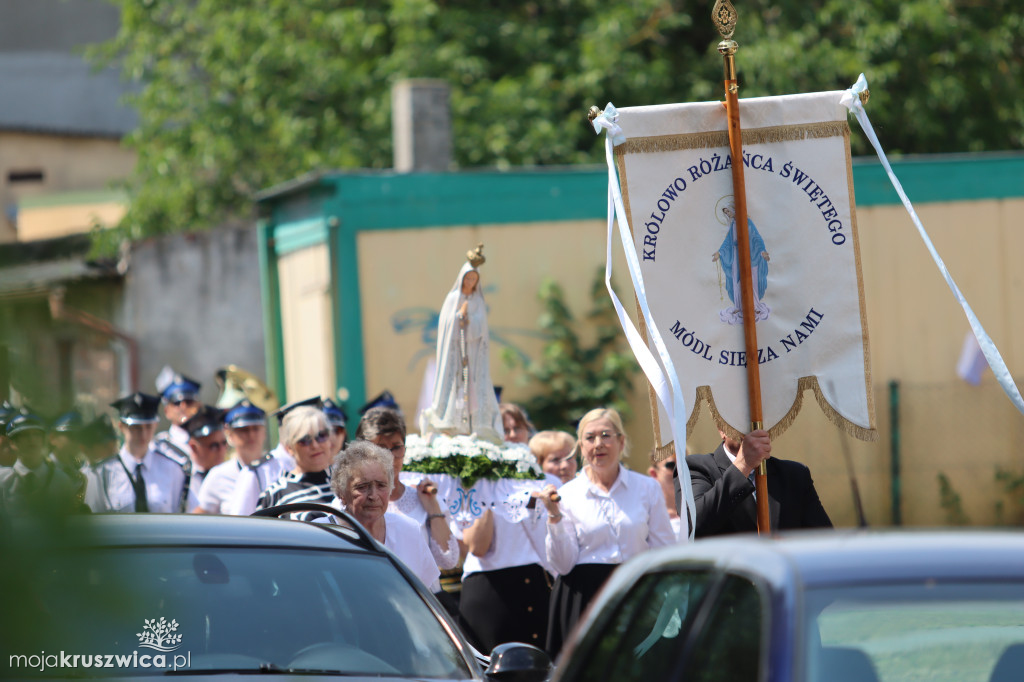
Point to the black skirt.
(570, 597)
(506, 605)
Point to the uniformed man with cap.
(65, 450)
(383, 399)
(7, 454)
(262, 473)
(34, 480)
(141, 478)
(99, 442)
(209, 446)
(179, 397)
(245, 426)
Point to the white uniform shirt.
(177, 435)
(218, 485)
(611, 527)
(404, 537)
(95, 493)
(165, 481)
(256, 478)
(194, 485)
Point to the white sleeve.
(562, 548)
(206, 498)
(444, 558)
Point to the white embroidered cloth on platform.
(675, 173)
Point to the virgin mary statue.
(464, 401)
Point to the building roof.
(51, 92)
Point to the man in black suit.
(723, 489)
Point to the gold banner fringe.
(715, 139)
(804, 383)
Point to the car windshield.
(226, 609)
(931, 630)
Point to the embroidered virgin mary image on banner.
(675, 171)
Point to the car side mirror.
(518, 662)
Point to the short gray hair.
(300, 422)
(353, 458)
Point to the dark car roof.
(857, 557)
(211, 530)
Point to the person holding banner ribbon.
(606, 515)
(724, 491)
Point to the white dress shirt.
(514, 544)
(610, 527)
(218, 485)
(164, 478)
(404, 537)
(256, 478)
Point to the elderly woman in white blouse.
(604, 517)
(363, 479)
(386, 427)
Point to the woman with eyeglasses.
(598, 520)
(305, 436)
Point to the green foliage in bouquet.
(469, 459)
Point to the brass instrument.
(237, 384)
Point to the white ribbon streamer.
(851, 100)
(665, 382)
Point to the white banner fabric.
(676, 179)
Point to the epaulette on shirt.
(257, 463)
(173, 453)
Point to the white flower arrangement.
(469, 458)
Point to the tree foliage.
(577, 376)
(236, 97)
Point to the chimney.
(421, 126)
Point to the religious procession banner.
(675, 172)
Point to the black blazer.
(725, 501)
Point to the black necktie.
(29, 483)
(139, 484)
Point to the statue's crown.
(476, 256)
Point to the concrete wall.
(193, 302)
(67, 163)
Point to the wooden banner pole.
(724, 16)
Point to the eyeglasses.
(184, 401)
(671, 466)
(321, 437)
(604, 436)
